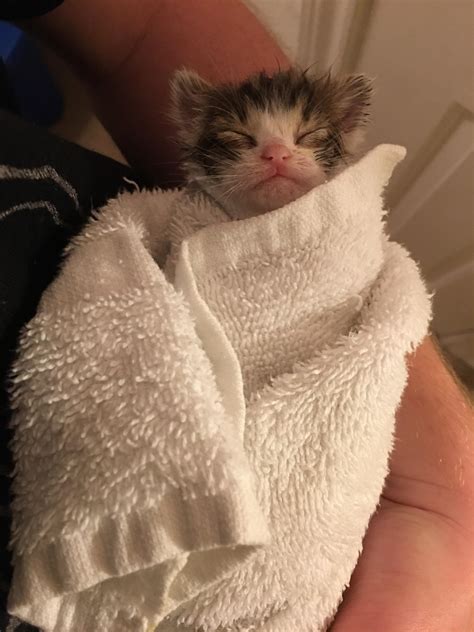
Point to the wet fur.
(322, 117)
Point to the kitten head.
(260, 144)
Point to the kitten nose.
(276, 152)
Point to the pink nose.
(276, 152)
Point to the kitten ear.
(351, 108)
(189, 93)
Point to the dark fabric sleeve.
(24, 9)
(48, 188)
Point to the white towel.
(163, 423)
(132, 490)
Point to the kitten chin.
(260, 144)
(268, 196)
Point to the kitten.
(257, 145)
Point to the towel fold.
(204, 411)
(132, 489)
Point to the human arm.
(416, 573)
(127, 51)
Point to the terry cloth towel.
(191, 386)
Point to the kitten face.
(258, 145)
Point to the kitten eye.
(313, 135)
(240, 137)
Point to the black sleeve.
(24, 9)
(48, 189)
